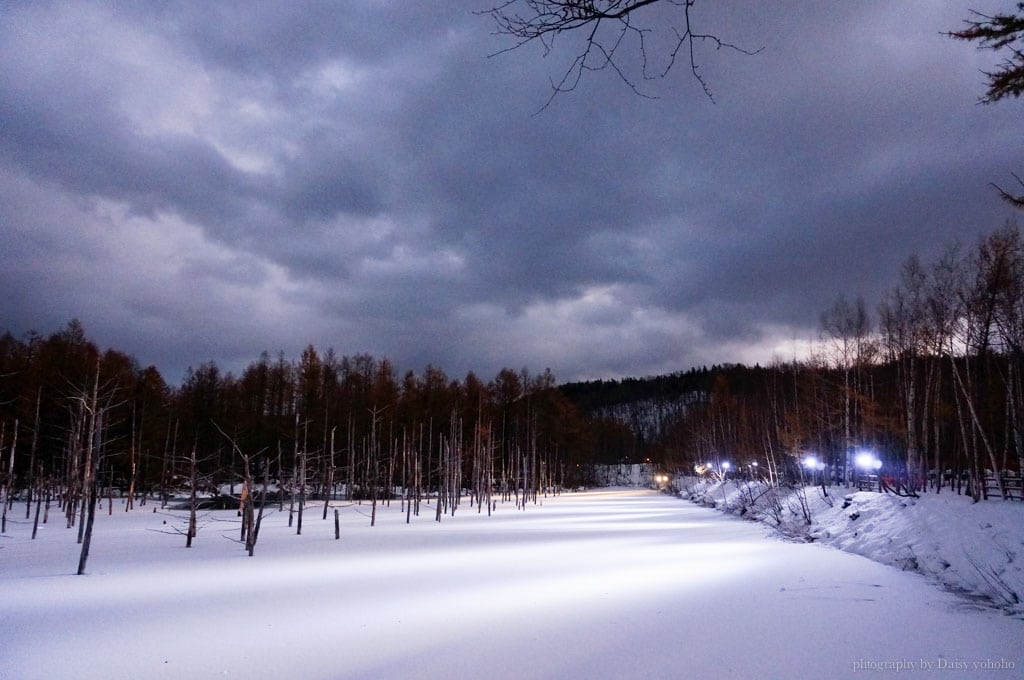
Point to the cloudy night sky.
(204, 181)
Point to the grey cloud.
(361, 175)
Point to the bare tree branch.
(608, 32)
(1016, 200)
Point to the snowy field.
(607, 584)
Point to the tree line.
(78, 423)
(931, 381)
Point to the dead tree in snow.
(32, 453)
(193, 481)
(329, 488)
(246, 506)
(193, 504)
(42, 485)
(7, 490)
(93, 432)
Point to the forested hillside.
(929, 384)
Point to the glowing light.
(812, 463)
(726, 465)
(866, 460)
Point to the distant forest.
(930, 381)
(350, 419)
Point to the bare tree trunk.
(90, 500)
(32, 452)
(89, 467)
(110, 491)
(248, 516)
(1013, 398)
(193, 477)
(350, 485)
(133, 462)
(280, 478)
(302, 474)
(174, 454)
(92, 463)
(6, 497)
(410, 476)
(46, 507)
(979, 431)
(70, 472)
(441, 485)
(295, 475)
(969, 425)
(329, 491)
(263, 503)
(39, 502)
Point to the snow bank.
(975, 549)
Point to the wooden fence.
(1011, 482)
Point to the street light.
(867, 461)
(814, 466)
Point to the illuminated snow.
(612, 584)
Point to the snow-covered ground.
(975, 549)
(604, 584)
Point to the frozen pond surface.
(605, 584)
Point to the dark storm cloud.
(93, 152)
(200, 181)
